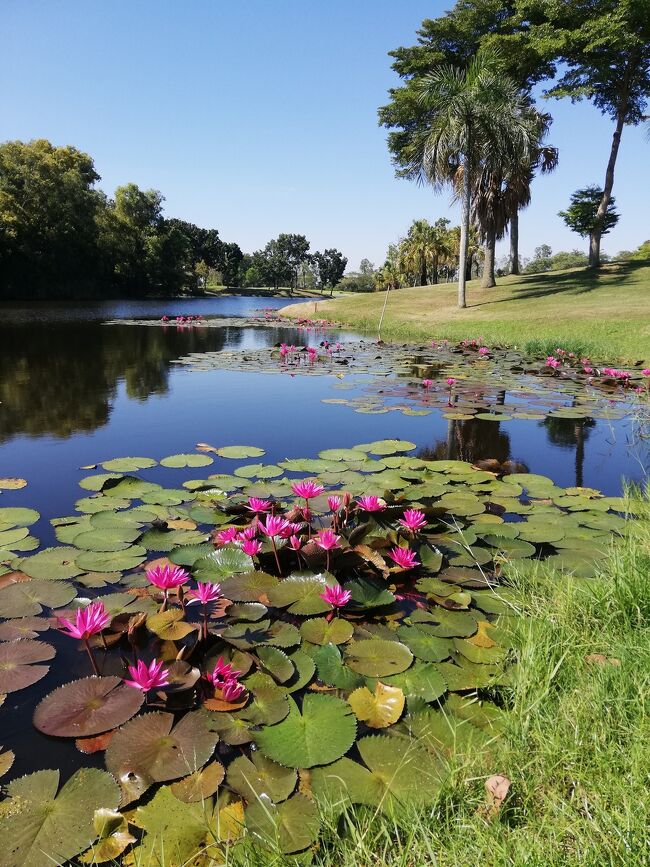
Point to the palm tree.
(476, 120)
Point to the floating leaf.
(249, 587)
(128, 465)
(12, 484)
(276, 662)
(113, 837)
(40, 828)
(111, 561)
(237, 452)
(333, 672)
(301, 593)
(223, 563)
(28, 598)
(148, 750)
(87, 707)
(18, 516)
(290, 826)
(17, 658)
(188, 555)
(379, 709)
(319, 630)
(424, 643)
(6, 761)
(186, 460)
(298, 740)
(422, 680)
(169, 625)
(375, 657)
(25, 627)
(258, 776)
(174, 830)
(52, 563)
(199, 785)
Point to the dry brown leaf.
(181, 524)
(601, 659)
(8, 484)
(482, 639)
(12, 578)
(497, 787)
(206, 447)
(95, 744)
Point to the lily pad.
(298, 741)
(52, 563)
(128, 465)
(300, 594)
(40, 828)
(375, 657)
(319, 630)
(186, 460)
(259, 776)
(378, 709)
(111, 561)
(27, 598)
(290, 826)
(17, 658)
(238, 452)
(87, 707)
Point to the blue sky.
(259, 116)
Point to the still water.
(74, 391)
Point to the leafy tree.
(294, 249)
(48, 210)
(475, 125)
(583, 215)
(604, 48)
(330, 266)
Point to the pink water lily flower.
(222, 671)
(484, 351)
(167, 577)
(257, 505)
(273, 526)
(307, 489)
(291, 529)
(248, 532)
(646, 371)
(587, 370)
(146, 677)
(295, 543)
(413, 520)
(334, 503)
(553, 362)
(451, 381)
(371, 504)
(88, 621)
(404, 557)
(327, 540)
(427, 383)
(223, 537)
(205, 593)
(336, 596)
(251, 547)
(232, 690)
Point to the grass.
(576, 749)
(605, 314)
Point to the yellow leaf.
(12, 484)
(230, 822)
(169, 625)
(482, 639)
(379, 710)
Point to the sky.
(257, 117)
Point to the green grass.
(604, 314)
(576, 749)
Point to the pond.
(77, 389)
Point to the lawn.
(605, 314)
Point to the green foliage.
(582, 214)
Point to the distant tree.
(604, 48)
(294, 249)
(48, 212)
(366, 268)
(230, 263)
(568, 259)
(330, 267)
(583, 216)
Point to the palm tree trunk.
(514, 242)
(464, 230)
(434, 272)
(423, 272)
(594, 240)
(488, 280)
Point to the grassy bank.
(575, 750)
(267, 292)
(605, 314)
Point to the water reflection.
(474, 440)
(61, 378)
(570, 434)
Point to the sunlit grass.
(605, 314)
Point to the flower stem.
(92, 658)
(277, 559)
(327, 561)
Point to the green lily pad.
(423, 680)
(375, 657)
(29, 597)
(222, 563)
(290, 826)
(105, 539)
(128, 465)
(298, 742)
(301, 593)
(258, 776)
(238, 452)
(111, 561)
(17, 668)
(319, 630)
(52, 563)
(18, 516)
(424, 644)
(186, 460)
(332, 671)
(40, 827)
(249, 587)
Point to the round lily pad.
(186, 460)
(128, 465)
(111, 561)
(17, 668)
(375, 657)
(87, 707)
(238, 452)
(27, 598)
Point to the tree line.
(464, 116)
(61, 236)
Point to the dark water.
(76, 392)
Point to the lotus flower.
(222, 671)
(451, 380)
(587, 370)
(247, 533)
(307, 489)
(223, 537)
(646, 371)
(167, 577)
(404, 557)
(251, 547)
(291, 529)
(255, 504)
(88, 621)
(484, 351)
(232, 690)
(334, 503)
(146, 677)
(273, 526)
(205, 593)
(327, 540)
(413, 520)
(371, 504)
(295, 543)
(336, 596)
(427, 383)
(553, 362)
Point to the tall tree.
(330, 266)
(475, 124)
(48, 209)
(583, 214)
(604, 46)
(295, 249)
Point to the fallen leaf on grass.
(497, 787)
(601, 659)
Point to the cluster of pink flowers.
(484, 351)
(614, 373)
(646, 371)
(184, 320)
(225, 679)
(553, 362)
